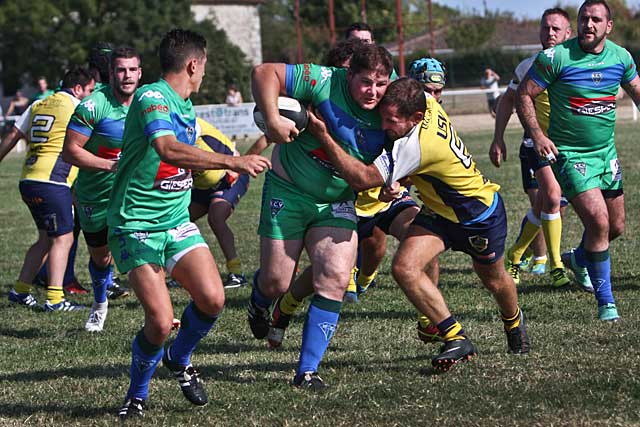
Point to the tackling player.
(93, 144)
(45, 186)
(148, 219)
(462, 210)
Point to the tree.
(54, 34)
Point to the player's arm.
(9, 141)
(268, 81)
(633, 90)
(73, 152)
(185, 156)
(259, 146)
(359, 176)
(528, 90)
(498, 149)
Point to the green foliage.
(470, 33)
(54, 34)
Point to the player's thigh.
(615, 208)
(400, 224)
(332, 251)
(421, 245)
(198, 274)
(278, 261)
(219, 210)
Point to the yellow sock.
(513, 321)
(22, 287)
(234, 266)
(529, 231)
(55, 294)
(552, 229)
(423, 320)
(352, 283)
(288, 304)
(454, 332)
(365, 281)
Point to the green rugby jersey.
(582, 91)
(100, 117)
(358, 131)
(149, 194)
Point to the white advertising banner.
(236, 120)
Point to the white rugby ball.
(290, 109)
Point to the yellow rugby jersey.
(368, 205)
(441, 168)
(47, 127)
(211, 139)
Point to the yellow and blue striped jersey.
(441, 168)
(47, 127)
(212, 140)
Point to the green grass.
(581, 372)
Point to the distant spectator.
(359, 30)
(43, 90)
(490, 80)
(18, 104)
(234, 97)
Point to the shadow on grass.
(31, 333)
(80, 411)
(83, 372)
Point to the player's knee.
(273, 284)
(211, 305)
(159, 327)
(402, 271)
(616, 228)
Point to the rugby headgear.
(427, 70)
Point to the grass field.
(581, 372)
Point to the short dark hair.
(99, 59)
(76, 76)
(407, 95)
(357, 26)
(178, 46)
(342, 52)
(370, 57)
(556, 11)
(593, 3)
(123, 52)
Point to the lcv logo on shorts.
(276, 206)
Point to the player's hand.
(316, 124)
(252, 164)
(388, 194)
(545, 148)
(281, 130)
(497, 152)
(114, 166)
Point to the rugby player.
(582, 77)
(93, 144)
(306, 203)
(537, 177)
(462, 210)
(148, 219)
(45, 186)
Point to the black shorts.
(384, 219)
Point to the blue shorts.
(51, 206)
(483, 240)
(530, 163)
(231, 193)
(384, 219)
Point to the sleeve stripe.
(536, 78)
(156, 126)
(81, 129)
(290, 79)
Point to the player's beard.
(124, 93)
(588, 46)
